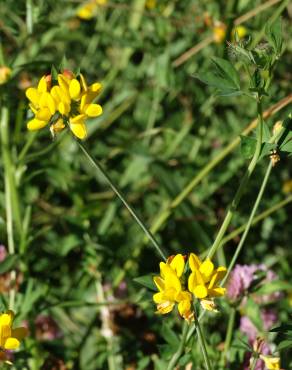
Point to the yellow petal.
(206, 269)
(83, 82)
(159, 282)
(217, 276)
(63, 83)
(216, 292)
(79, 130)
(33, 95)
(178, 264)
(272, 363)
(95, 88)
(6, 318)
(172, 281)
(11, 343)
(200, 291)
(51, 104)
(77, 119)
(64, 108)
(93, 110)
(36, 124)
(158, 297)
(165, 307)
(19, 333)
(42, 85)
(74, 89)
(43, 114)
(208, 304)
(194, 262)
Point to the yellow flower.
(150, 4)
(204, 280)
(287, 187)
(87, 11)
(9, 338)
(272, 363)
(5, 73)
(67, 101)
(219, 32)
(170, 288)
(240, 31)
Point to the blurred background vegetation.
(78, 246)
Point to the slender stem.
(260, 217)
(9, 194)
(228, 338)
(115, 189)
(202, 343)
(242, 185)
(250, 220)
(180, 349)
(29, 21)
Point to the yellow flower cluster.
(5, 73)
(68, 101)
(219, 32)
(175, 287)
(9, 338)
(89, 9)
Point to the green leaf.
(252, 310)
(224, 77)
(54, 73)
(9, 263)
(282, 328)
(248, 145)
(274, 286)
(146, 281)
(274, 35)
(287, 343)
(170, 336)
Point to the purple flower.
(269, 318)
(240, 280)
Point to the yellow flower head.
(219, 32)
(272, 363)
(5, 73)
(66, 101)
(89, 10)
(204, 280)
(170, 288)
(9, 338)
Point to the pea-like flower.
(204, 281)
(66, 101)
(171, 289)
(272, 363)
(9, 338)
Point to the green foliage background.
(160, 127)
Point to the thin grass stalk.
(249, 223)
(242, 186)
(9, 192)
(202, 342)
(228, 338)
(115, 189)
(178, 353)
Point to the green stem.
(178, 353)
(249, 223)
(29, 21)
(9, 191)
(260, 217)
(228, 336)
(115, 189)
(202, 343)
(242, 185)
